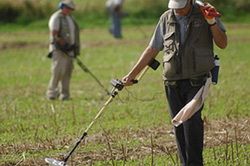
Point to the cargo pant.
(189, 135)
(61, 70)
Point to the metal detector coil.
(54, 162)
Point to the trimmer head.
(54, 162)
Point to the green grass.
(30, 126)
(232, 93)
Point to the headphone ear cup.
(60, 5)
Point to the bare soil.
(160, 139)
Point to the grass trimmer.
(117, 86)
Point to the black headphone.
(61, 5)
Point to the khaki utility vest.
(64, 32)
(195, 56)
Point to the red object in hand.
(208, 11)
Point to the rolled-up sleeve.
(54, 23)
(156, 41)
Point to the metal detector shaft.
(100, 112)
(113, 94)
(154, 64)
(84, 68)
(53, 162)
(142, 73)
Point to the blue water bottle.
(215, 70)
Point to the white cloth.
(54, 24)
(113, 3)
(193, 106)
(71, 29)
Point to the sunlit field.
(135, 128)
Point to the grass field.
(135, 128)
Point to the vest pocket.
(169, 64)
(169, 42)
(203, 60)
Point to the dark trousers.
(115, 28)
(189, 135)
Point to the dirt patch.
(161, 138)
(21, 45)
(91, 44)
(95, 44)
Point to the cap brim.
(70, 7)
(176, 5)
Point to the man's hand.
(209, 12)
(60, 41)
(128, 80)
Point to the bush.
(25, 12)
(32, 11)
(8, 13)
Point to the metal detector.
(85, 69)
(117, 86)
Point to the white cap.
(68, 3)
(177, 4)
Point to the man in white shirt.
(114, 8)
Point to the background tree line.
(26, 11)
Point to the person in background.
(114, 8)
(185, 33)
(64, 46)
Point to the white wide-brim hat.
(69, 3)
(177, 4)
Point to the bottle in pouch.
(215, 70)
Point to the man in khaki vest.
(185, 33)
(64, 46)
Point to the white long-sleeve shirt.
(113, 3)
